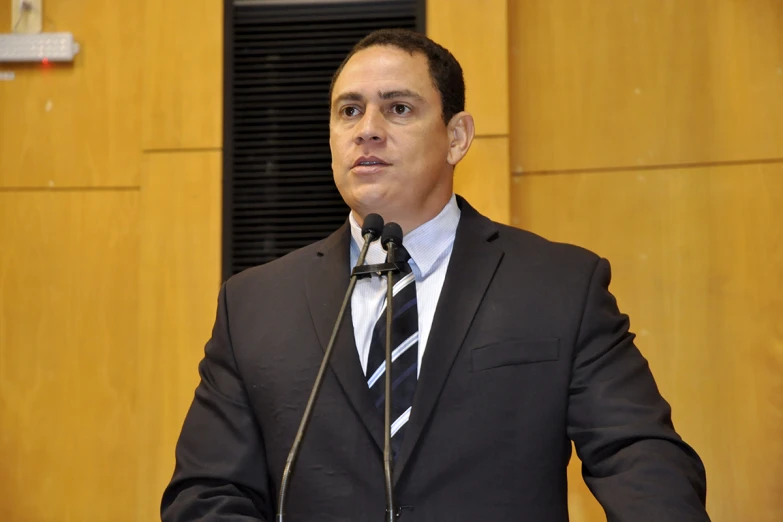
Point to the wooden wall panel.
(68, 340)
(178, 285)
(97, 360)
(5, 21)
(482, 177)
(476, 34)
(76, 125)
(696, 256)
(620, 84)
(183, 75)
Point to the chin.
(367, 200)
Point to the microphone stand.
(362, 271)
(294, 453)
(387, 456)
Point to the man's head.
(398, 127)
(444, 69)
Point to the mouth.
(367, 163)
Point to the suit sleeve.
(634, 462)
(221, 472)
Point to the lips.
(369, 161)
(368, 165)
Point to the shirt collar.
(426, 244)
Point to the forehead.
(385, 68)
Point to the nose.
(370, 128)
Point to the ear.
(461, 130)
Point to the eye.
(349, 111)
(400, 109)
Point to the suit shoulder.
(533, 246)
(278, 271)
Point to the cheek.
(336, 159)
(430, 153)
(340, 145)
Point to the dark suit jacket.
(527, 352)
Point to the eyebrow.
(384, 95)
(347, 96)
(405, 93)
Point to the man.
(518, 348)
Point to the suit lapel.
(474, 260)
(327, 281)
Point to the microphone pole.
(390, 240)
(373, 224)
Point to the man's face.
(390, 146)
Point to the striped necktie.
(405, 353)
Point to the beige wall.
(110, 175)
(476, 33)
(648, 131)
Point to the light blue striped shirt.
(430, 247)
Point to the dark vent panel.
(280, 57)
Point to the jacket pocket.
(515, 351)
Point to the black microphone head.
(373, 225)
(392, 233)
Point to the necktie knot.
(401, 256)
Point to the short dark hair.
(445, 71)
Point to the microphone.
(372, 230)
(373, 225)
(391, 239)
